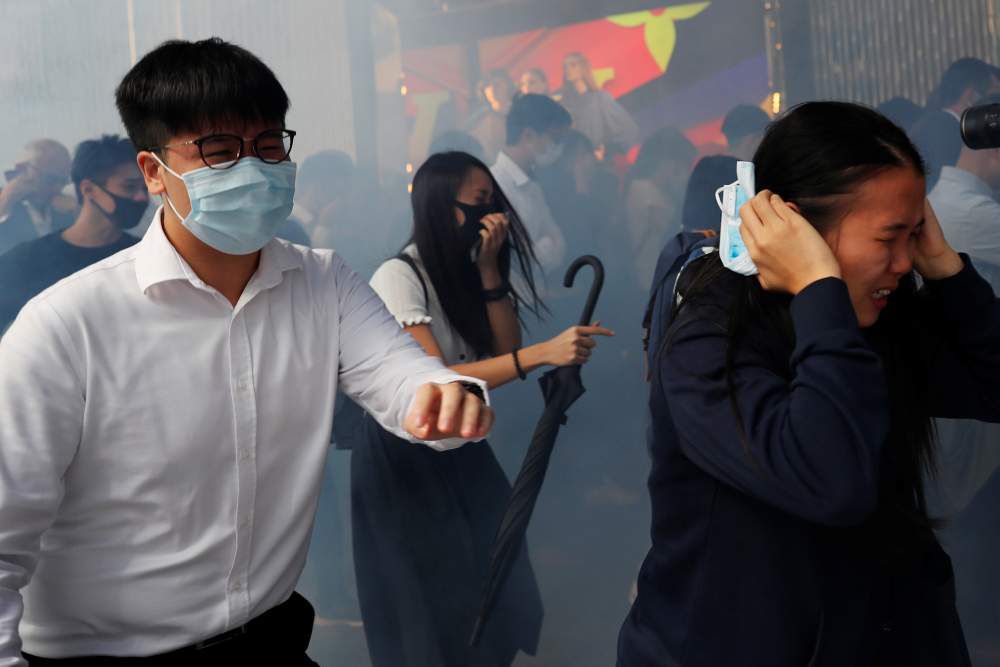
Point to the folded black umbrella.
(561, 388)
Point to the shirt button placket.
(245, 411)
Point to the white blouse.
(400, 289)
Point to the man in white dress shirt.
(535, 125)
(165, 413)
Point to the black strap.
(413, 265)
(647, 318)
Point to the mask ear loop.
(718, 198)
(165, 195)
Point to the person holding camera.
(966, 488)
(964, 199)
(792, 410)
(32, 204)
(936, 133)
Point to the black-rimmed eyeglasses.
(222, 151)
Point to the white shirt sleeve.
(399, 287)
(550, 244)
(987, 233)
(41, 420)
(381, 367)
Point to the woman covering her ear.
(424, 525)
(791, 417)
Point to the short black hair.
(961, 75)
(183, 86)
(96, 159)
(744, 120)
(539, 112)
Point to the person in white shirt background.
(165, 413)
(535, 125)
(966, 488)
(965, 200)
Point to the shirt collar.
(966, 180)
(157, 261)
(505, 164)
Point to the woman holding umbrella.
(791, 417)
(424, 525)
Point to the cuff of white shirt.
(451, 443)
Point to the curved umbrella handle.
(595, 288)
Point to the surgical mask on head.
(548, 157)
(128, 212)
(732, 250)
(239, 209)
(469, 230)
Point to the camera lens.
(981, 126)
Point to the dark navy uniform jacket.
(783, 556)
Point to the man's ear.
(86, 188)
(152, 172)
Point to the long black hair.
(445, 257)
(816, 156)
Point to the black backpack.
(680, 251)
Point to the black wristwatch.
(474, 389)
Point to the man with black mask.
(113, 198)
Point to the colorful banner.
(683, 64)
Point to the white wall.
(60, 61)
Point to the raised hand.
(934, 258)
(789, 253)
(573, 346)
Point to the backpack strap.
(688, 251)
(413, 265)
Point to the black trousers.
(279, 636)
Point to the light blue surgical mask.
(732, 250)
(237, 210)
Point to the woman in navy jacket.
(792, 417)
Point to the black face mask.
(469, 232)
(128, 212)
